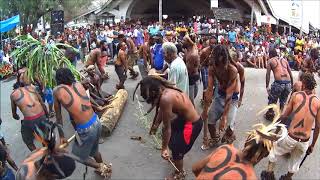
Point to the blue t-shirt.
(1, 56)
(101, 37)
(115, 40)
(291, 41)
(239, 46)
(158, 57)
(153, 30)
(232, 36)
(248, 36)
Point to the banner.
(268, 19)
(214, 3)
(296, 13)
(9, 24)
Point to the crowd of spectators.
(250, 44)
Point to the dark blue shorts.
(280, 90)
(90, 140)
(204, 77)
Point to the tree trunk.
(111, 116)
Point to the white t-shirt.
(178, 74)
(107, 34)
(135, 33)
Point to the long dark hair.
(150, 90)
(220, 55)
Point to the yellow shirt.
(299, 44)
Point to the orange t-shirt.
(225, 164)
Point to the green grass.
(146, 123)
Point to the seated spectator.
(291, 60)
(260, 58)
(250, 57)
(298, 60)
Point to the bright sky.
(310, 12)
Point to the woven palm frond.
(265, 134)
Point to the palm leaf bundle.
(147, 123)
(42, 59)
(267, 134)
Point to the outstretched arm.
(123, 59)
(98, 61)
(290, 73)
(242, 81)
(11, 162)
(229, 93)
(164, 114)
(268, 75)
(209, 91)
(316, 130)
(14, 108)
(57, 107)
(198, 166)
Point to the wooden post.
(251, 21)
(289, 29)
(277, 27)
(160, 12)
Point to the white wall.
(123, 8)
(310, 12)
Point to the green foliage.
(42, 59)
(32, 10)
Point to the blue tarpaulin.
(9, 24)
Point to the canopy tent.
(9, 24)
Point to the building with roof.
(300, 14)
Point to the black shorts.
(120, 72)
(28, 127)
(183, 135)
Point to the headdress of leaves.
(48, 138)
(265, 134)
(42, 59)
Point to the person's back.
(158, 57)
(131, 46)
(178, 71)
(204, 56)
(304, 110)
(192, 60)
(232, 36)
(93, 56)
(225, 163)
(76, 101)
(280, 66)
(181, 104)
(27, 101)
(120, 54)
